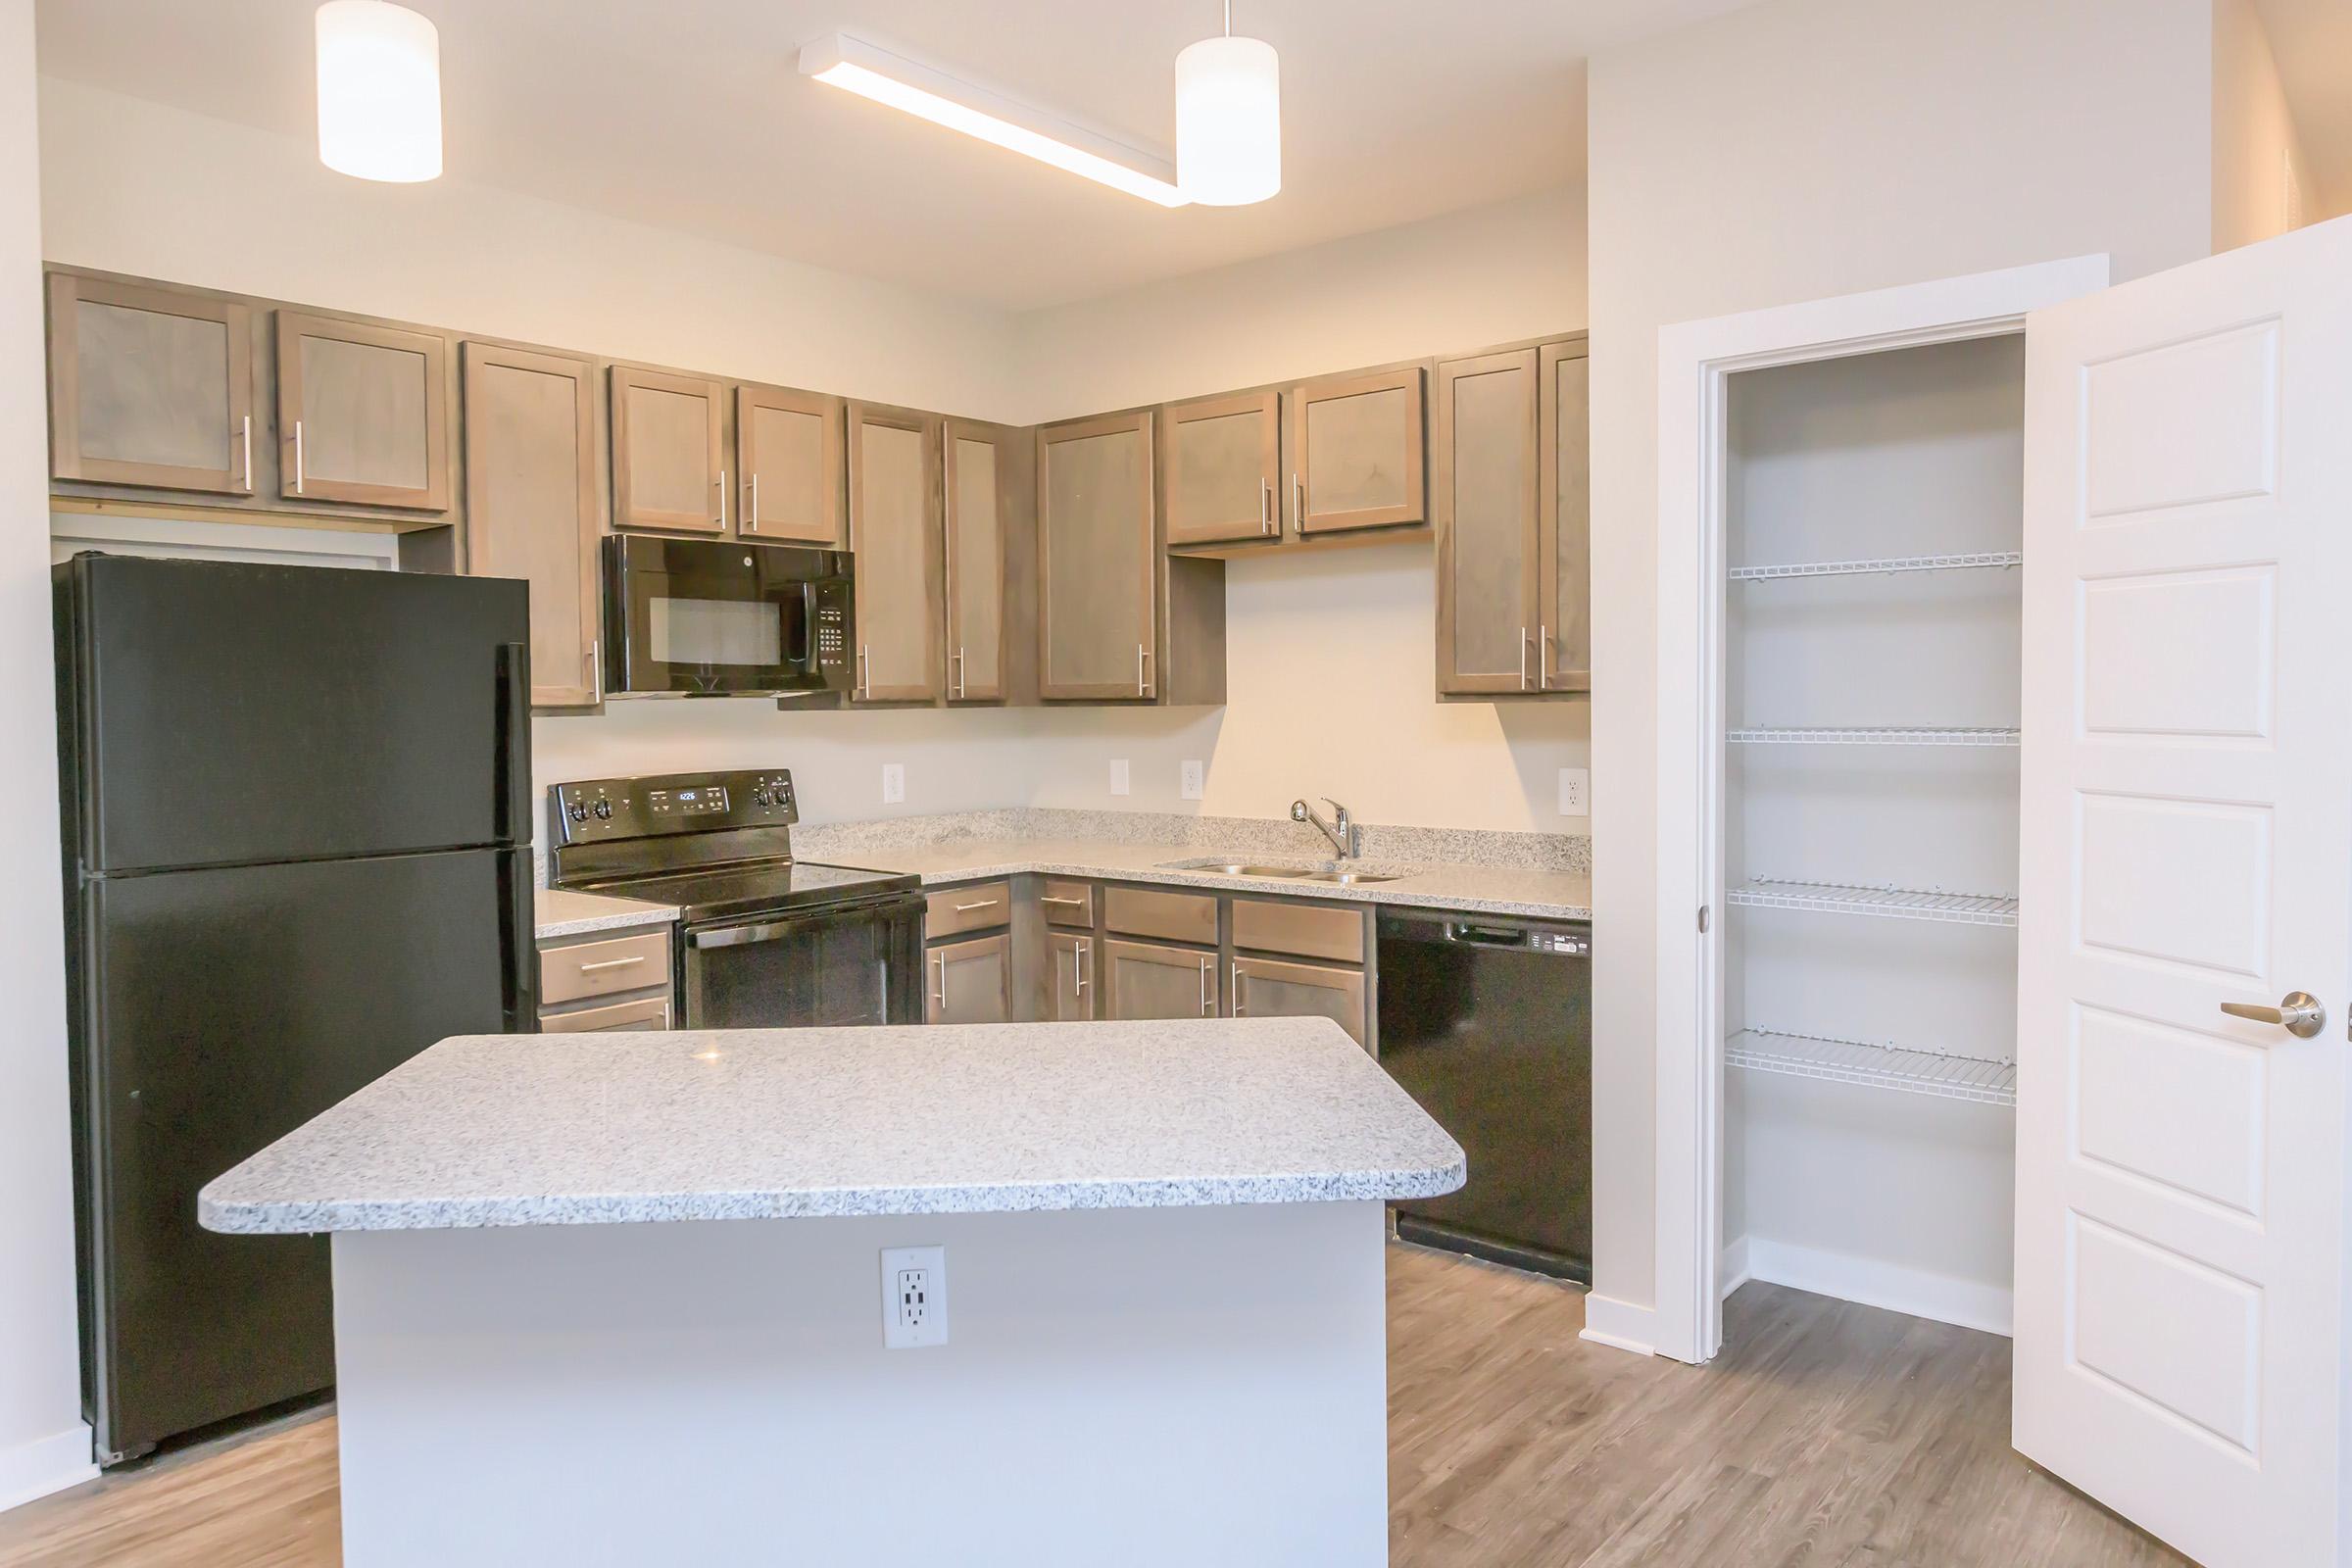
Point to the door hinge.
(1702, 919)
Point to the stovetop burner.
(721, 893)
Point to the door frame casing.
(1695, 362)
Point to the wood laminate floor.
(1827, 1435)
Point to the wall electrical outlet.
(1190, 778)
(1575, 792)
(894, 783)
(914, 1297)
(1118, 775)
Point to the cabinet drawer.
(1274, 925)
(1263, 988)
(970, 908)
(599, 968)
(644, 1012)
(1170, 916)
(1070, 904)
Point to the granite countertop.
(557, 912)
(1480, 889)
(489, 1130)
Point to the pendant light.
(1229, 120)
(380, 91)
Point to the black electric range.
(765, 941)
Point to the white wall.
(2257, 153)
(43, 1443)
(1789, 151)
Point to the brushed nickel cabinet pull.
(1542, 657)
(248, 447)
(297, 473)
(941, 966)
(983, 903)
(1056, 898)
(1523, 659)
(750, 521)
(722, 497)
(1081, 961)
(1207, 968)
(1266, 505)
(611, 963)
(1237, 988)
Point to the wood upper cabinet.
(149, 386)
(971, 982)
(362, 412)
(895, 532)
(1269, 988)
(788, 464)
(1075, 991)
(1141, 980)
(669, 461)
(981, 474)
(1097, 612)
(1485, 491)
(531, 504)
(1220, 462)
(1564, 630)
(1356, 444)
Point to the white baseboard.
(1620, 1325)
(1731, 1268)
(44, 1465)
(1970, 1304)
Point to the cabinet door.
(613, 1017)
(1356, 451)
(149, 387)
(971, 982)
(1266, 987)
(788, 462)
(1485, 489)
(1141, 980)
(668, 468)
(1564, 630)
(531, 504)
(362, 412)
(1221, 462)
(1074, 978)
(977, 470)
(1097, 624)
(895, 531)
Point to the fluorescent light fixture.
(380, 91)
(929, 93)
(1229, 120)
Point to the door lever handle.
(2299, 1012)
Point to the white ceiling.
(2312, 42)
(691, 115)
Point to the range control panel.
(596, 809)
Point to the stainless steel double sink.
(1333, 872)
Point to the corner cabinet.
(971, 982)
(669, 467)
(1097, 612)
(894, 536)
(532, 503)
(1073, 995)
(362, 412)
(149, 386)
(1509, 496)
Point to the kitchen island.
(621, 1300)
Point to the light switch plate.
(894, 783)
(1191, 779)
(1118, 775)
(1575, 792)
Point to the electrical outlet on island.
(914, 1298)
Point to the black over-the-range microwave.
(707, 618)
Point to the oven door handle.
(736, 936)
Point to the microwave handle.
(804, 655)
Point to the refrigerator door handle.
(512, 783)
(518, 938)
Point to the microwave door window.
(712, 634)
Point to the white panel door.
(2188, 842)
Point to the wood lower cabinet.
(976, 906)
(1485, 491)
(1271, 987)
(1144, 980)
(149, 386)
(600, 983)
(531, 504)
(1097, 612)
(788, 467)
(1356, 452)
(895, 534)
(1072, 956)
(1220, 461)
(613, 1017)
(1564, 630)
(362, 412)
(669, 467)
(970, 981)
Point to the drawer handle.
(1055, 897)
(611, 963)
(983, 903)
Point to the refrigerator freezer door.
(223, 1009)
(219, 713)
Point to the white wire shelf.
(1857, 569)
(1861, 1061)
(1872, 736)
(1890, 903)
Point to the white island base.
(1155, 1386)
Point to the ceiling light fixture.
(1229, 120)
(842, 61)
(380, 91)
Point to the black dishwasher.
(1488, 1023)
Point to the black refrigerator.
(296, 804)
